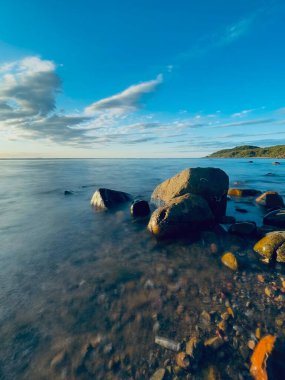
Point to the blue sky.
(140, 78)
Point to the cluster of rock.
(196, 199)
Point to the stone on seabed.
(158, 375)
(210, 183)
(275, 218)
(269, 245)
(106, 198)
(140, 208)
(243, 192)
(230, 261)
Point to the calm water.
(68, 273)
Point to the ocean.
(83, 293)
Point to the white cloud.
(127, 100)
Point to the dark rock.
(106, 198)
(250, 162)
(275, 163)
(275, 363)
(210, 183)
(270, 199)
(182, 215)
(227, 220)
(275, 218)
(68, 192)
(243, 192)
(140, 208)
(243, 228)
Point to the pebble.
(230, 261)
(251, 344)
(183, 360)
(159, 374)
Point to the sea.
(84, 293)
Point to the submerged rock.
(243, 192)
(106, 198)
(230, 261)
(275, 218)
(68, 192)
(243, 228)
(140, 208)
(268, 246)
(183, 214)
(210, 183)
(270, 199)
(158, 374)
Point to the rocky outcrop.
(271, 246)
(183, 214)
(105, 198)
(270, 199)
(210, 183)
(275, 218)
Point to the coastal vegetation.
(277, 151)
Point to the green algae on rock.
(267, 247)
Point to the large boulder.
(187, 213)
(210, 183)
(271, 246)
(106, 198)
(275, 218)
(270, 199)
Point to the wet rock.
(243, 228)
(280, 254)
(230, 261)
(276, 163)
(210, 183)
(267, 247)
(181, 215)
(140, 208)
(270, 199)
(214, 343)
(211, 373)
(59, 360)
(159, 374)
(259, 357)
(227, 220)
(275, 218)
(243, 192)
(194, 348)
(106, 198)
(167, 343)
(183, 360)
(68, 192)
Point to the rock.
(183, 214)
(243, 228)
(159, 374)
(183, 360)
(194, 348)
(140, 208)
(267, 247)
(210, 183)
(241, 210)
(68, 192)
(275, 218)
(270, 199)
(280, 253)
(259, 357)
(211, 373)
(215, 343)
(106, 198)
(167, 343)
(230, 261)
(227, 220)
(275, 163)
(243, 192)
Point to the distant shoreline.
(250, 151)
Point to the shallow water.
(96, 288)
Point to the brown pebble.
(183, 360)
(251, 344)
(214, 248)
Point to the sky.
(140, 78)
